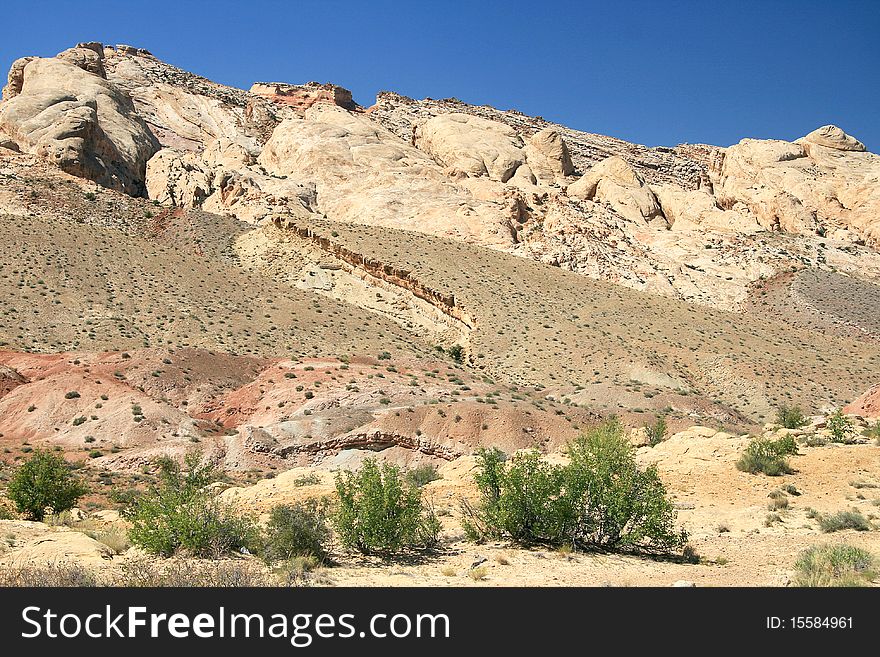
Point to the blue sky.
(657, 73)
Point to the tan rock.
(615, 182)
(831, 136)
(697, 210)
(548, 157)
(471, 144)
(15, 78)
(80, 122)
(365, 174)
(88, 57)
(223, 180)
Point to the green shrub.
(790, 417)
(423, 474)
(841, 427)
(297, 530)
(73, 394)
(835, 565)
(456, 351)
(380, 512)
(768, 456)
(180, 515)
(599, 500)
(656, 432)
(844, 520)
(44, 481)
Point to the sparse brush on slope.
(600, 500)
(790, 417)
(297, 530)
(841, 427)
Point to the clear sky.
(658, 73)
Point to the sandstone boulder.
(615, 182)
(15, 78)
(87, 56)
(548, 157)
(472, 145)
(697, 210)
(222, 179)
(830, 136)
(80, 122)
(365, 174)
(823, 183)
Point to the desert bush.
(844, 520)
(59, 574)
(423, 474)
(180, 515)
(841, 427)
(6, 511)
(297, 530)
(656, 432)
(380, 512)
(768, 456)
(599, 500)
(187, 573)
(790, 417)
(456, 351)
(835, 565)
(44, 480)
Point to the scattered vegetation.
(841, 427)
(656, 432)
(599, 500)
(790, 417)
(422, 475)
(297, 530)
(844, 520)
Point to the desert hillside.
(291, 283)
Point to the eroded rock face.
(548, 157)
(824, 183)
(222, 179)
(472, 146)
(364, 174)
(830, 136)
(80, 122)
(615, 182)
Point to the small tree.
(790, 417)
(840, 426)
(297, 530)
(656, 432)
(44, 481)
(600, 500)
(380, 512)
(180, 515)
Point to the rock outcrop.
(616, 183)
(79, 121)
(640, 216)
